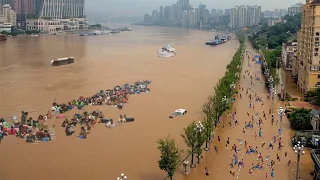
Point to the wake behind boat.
(167, 51)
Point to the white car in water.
(178, 112)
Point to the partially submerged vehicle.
(167, 51)
(62, 61)
(178, 112)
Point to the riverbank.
(101, 63)
(218, 163)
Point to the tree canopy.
(274, 36)
(170, 156)
(300, 119)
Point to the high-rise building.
(161, 14)
(147, 19)
(206, 16)
(192, 18)
(197, 16)
(227, 12)
(202, 9)
(308, 49)
(234, 23)
(185, 18)
(8, 15)
(166, 13)
(155, 16)
(219, 12)
(185, 5)
(295, 9)
(60, 9)
(243, 16)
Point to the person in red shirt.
(11, 131)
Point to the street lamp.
(298, 149)
(224, 101)
(281, 113)
(122, 177)
(199, 128)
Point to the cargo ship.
(218, 41)
(3, 37)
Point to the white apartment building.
(243, 16)
(185, 18)
(8, 16)
(53, 26)
(295, 9)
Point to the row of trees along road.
(197, 134)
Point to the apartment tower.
(61, 9)
(308, 50)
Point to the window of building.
(317, 38)
(318, 76)
(316, 49)
(315, 54)
(317, 33)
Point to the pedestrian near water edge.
(206, 171)
(272, 172)
(219, 138)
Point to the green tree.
(300, 119)
(190, 138)
(170, 156)
(201, 139)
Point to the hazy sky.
(140, 7)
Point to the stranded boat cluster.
(34, 130)
(115, 97)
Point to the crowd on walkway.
(253, 125)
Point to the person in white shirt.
(110, 124)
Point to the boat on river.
(217, 41)
(167, 51)
(62, 61)
(3, 37)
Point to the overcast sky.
(140, 7)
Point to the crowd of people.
(34, 130)
(256, 118)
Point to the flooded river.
(28, 83)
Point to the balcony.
(315, 155)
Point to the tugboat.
(3, 37)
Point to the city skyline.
(140, 7)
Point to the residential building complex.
(243, 16)
(295, 9)
(288, 54)
(308, 50)
(182, 14)
(276, 13)
(62, 9)
(7, 18)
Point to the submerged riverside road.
(257, 158)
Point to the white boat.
(167, 51)
(106, 32)
(96, 32)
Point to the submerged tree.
(170, 156)
(190, 138)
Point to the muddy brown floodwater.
(28, 83)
